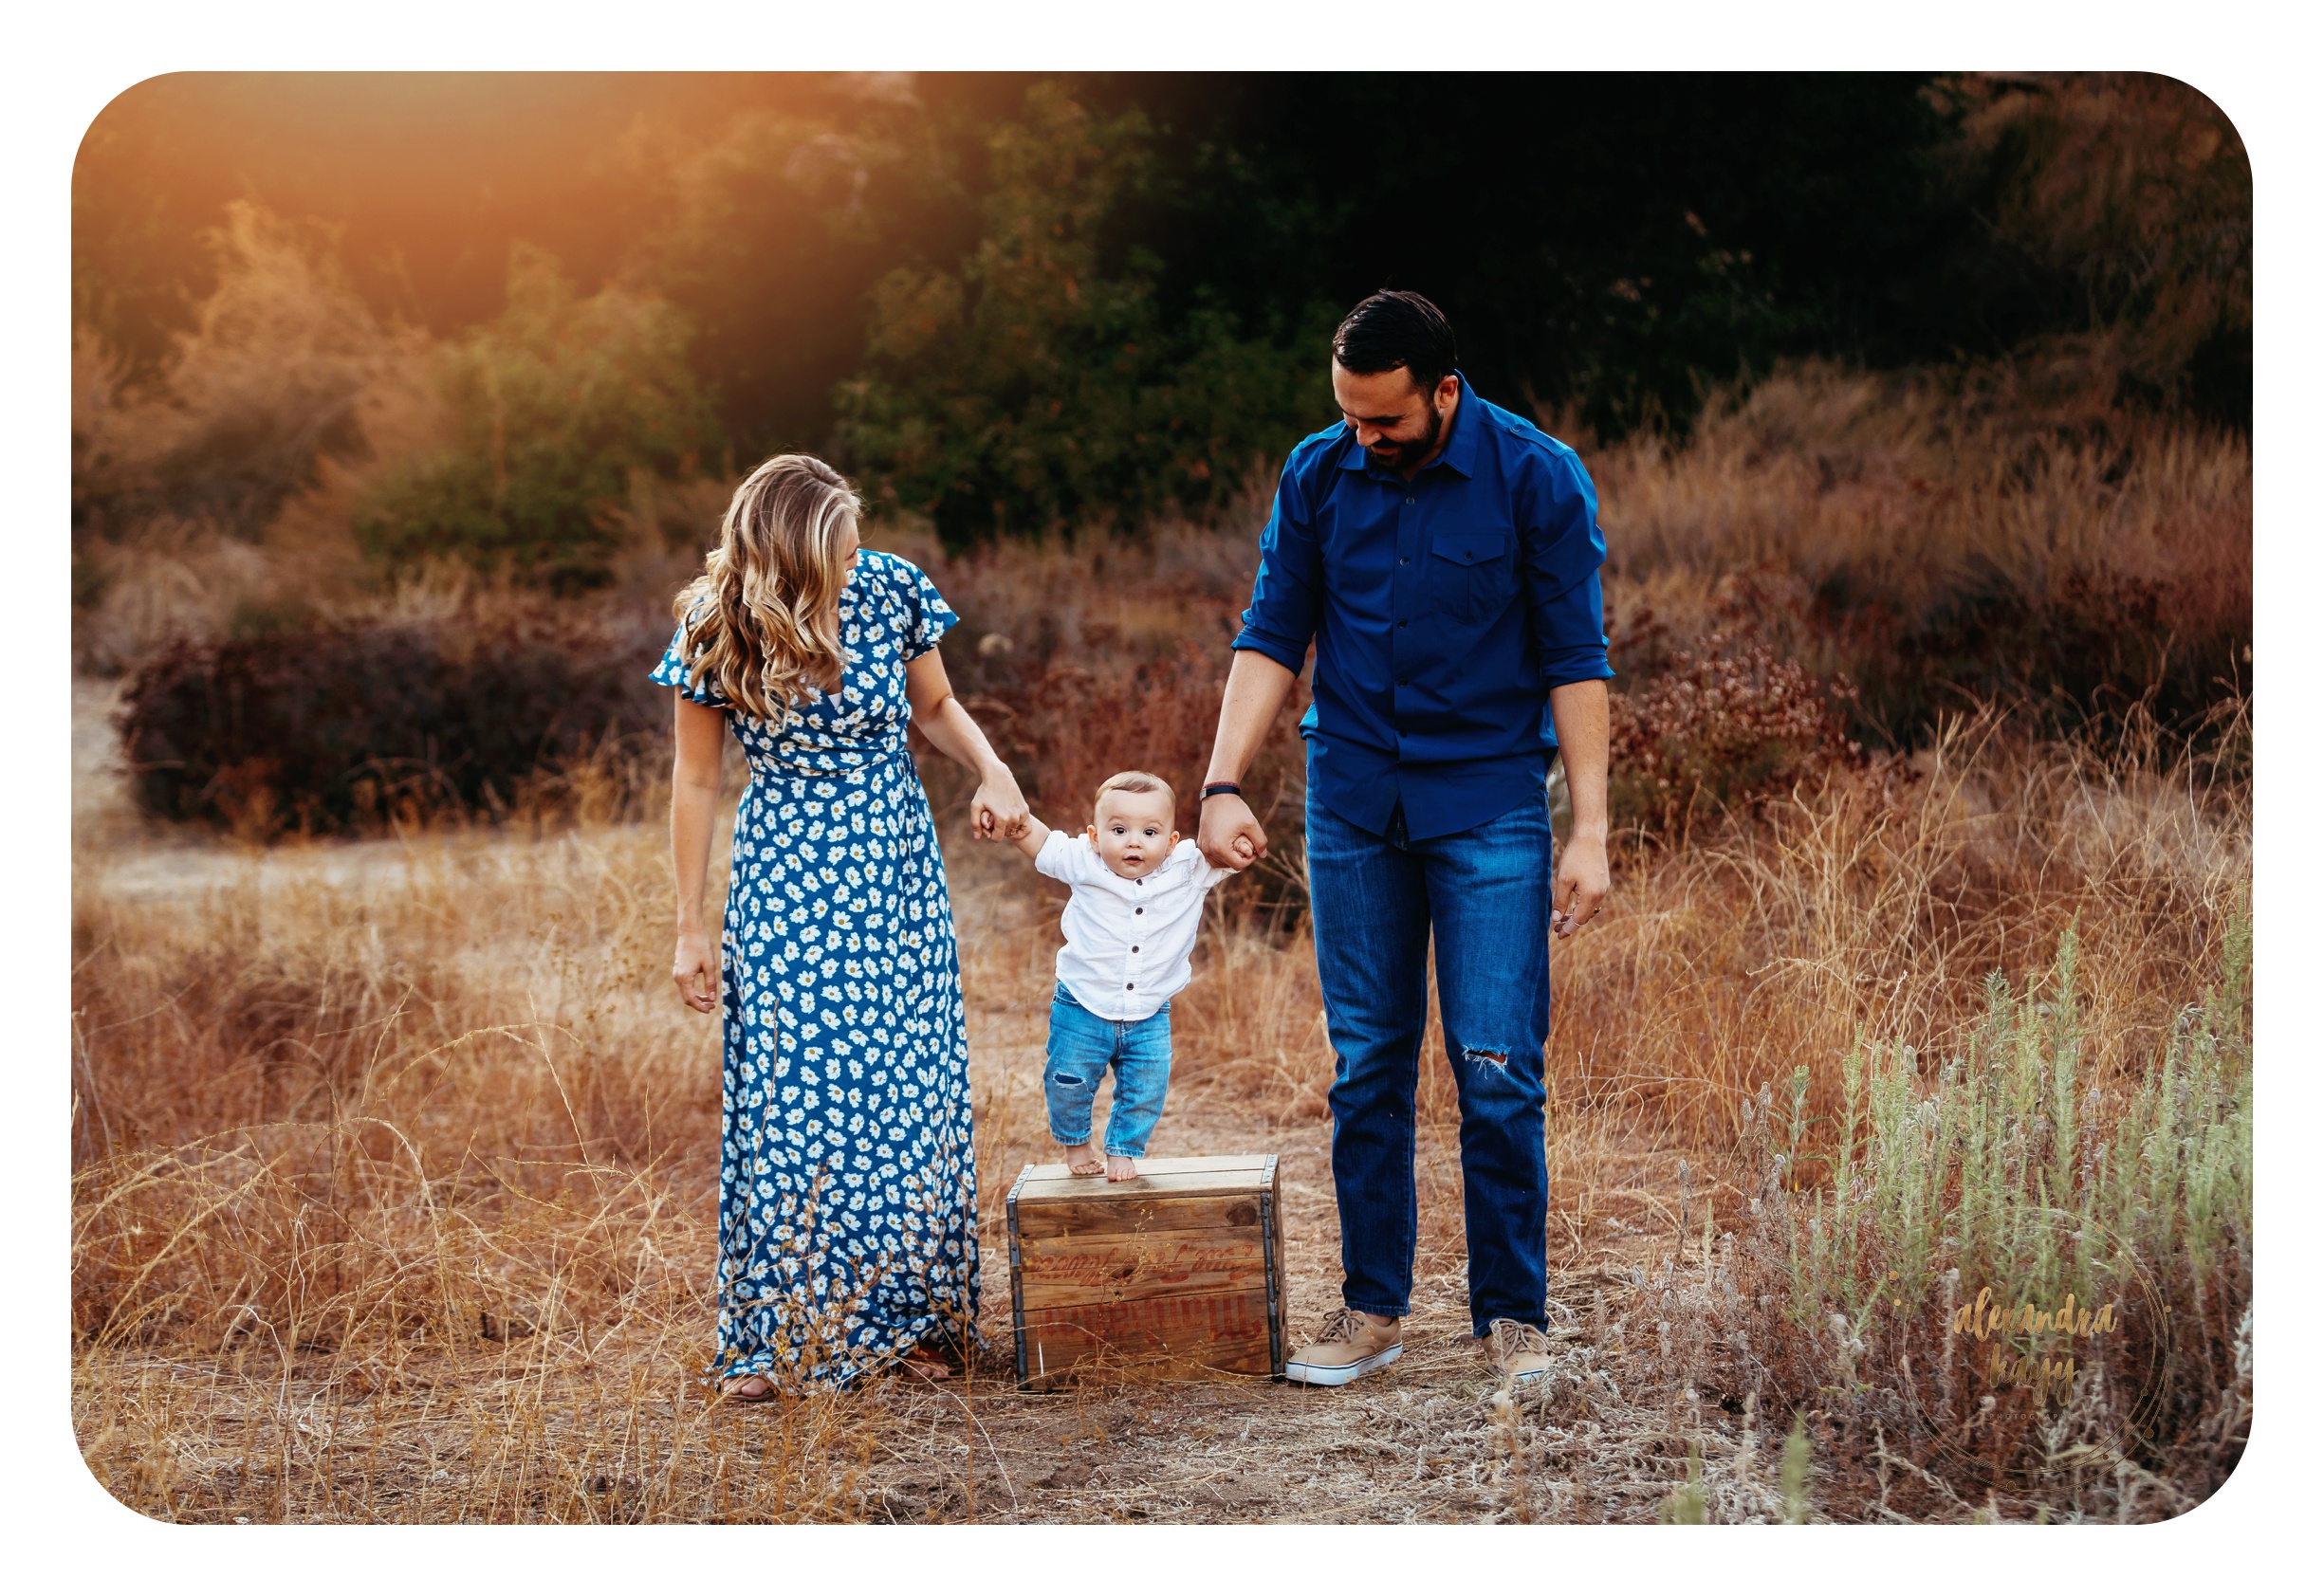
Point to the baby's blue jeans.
(1081, 1048)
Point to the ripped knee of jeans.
(1486, 1056)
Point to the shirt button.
(1140, 911)
(1404, 561)
(1134, 947)
(1399, 625)
(1131, 987)
(1411, 501)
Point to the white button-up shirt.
(1127, 941)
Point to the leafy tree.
(1039, 381)
(555, 404)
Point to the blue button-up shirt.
(1442, 611)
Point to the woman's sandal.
(917, 1359)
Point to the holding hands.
(998, 812)
(1231, 836)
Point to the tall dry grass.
(1944, 537)
(395, 1191)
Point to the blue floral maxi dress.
(847, 1171)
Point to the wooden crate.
(1174, 1275)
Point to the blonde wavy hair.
(759, 624)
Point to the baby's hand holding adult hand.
(1231, 835)
(696, 971)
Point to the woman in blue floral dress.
(847, 1170)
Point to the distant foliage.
(247, 404)
(2117, 233)
(555, 405)
(1946, 540)
(1040, 383)
(347, 728)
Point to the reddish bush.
(1726, 725)
(1065, 727)
(336, 728)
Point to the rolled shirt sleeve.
(1287, 594)
(1563, 548)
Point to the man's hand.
(1580, 885)
(1230, 837)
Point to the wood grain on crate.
(1165, 1276)
(1102, 1267)
(1171, 1337)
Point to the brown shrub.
(1727, 727)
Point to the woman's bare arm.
(998, 810)
(701, 737)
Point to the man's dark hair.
(1396, 328)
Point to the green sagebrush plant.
(554, 405)
(1963, 1212)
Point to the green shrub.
(1956, 1210)
(556, 404)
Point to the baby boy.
(1137, 901)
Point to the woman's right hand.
(998, 810)
(695, 970)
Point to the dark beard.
(1407, 455)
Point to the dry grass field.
(396, 1191)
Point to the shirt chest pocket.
(1472, 573)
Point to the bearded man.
(1442, 556)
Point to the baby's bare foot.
(1085, 1159)
(1120, 1168)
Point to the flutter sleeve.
(672, 672)
(931, 617)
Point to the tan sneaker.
(1517, 1352)
(1351, 1347)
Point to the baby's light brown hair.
(1136, 781)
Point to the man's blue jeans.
(1485, 893)
(1082, 1046)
